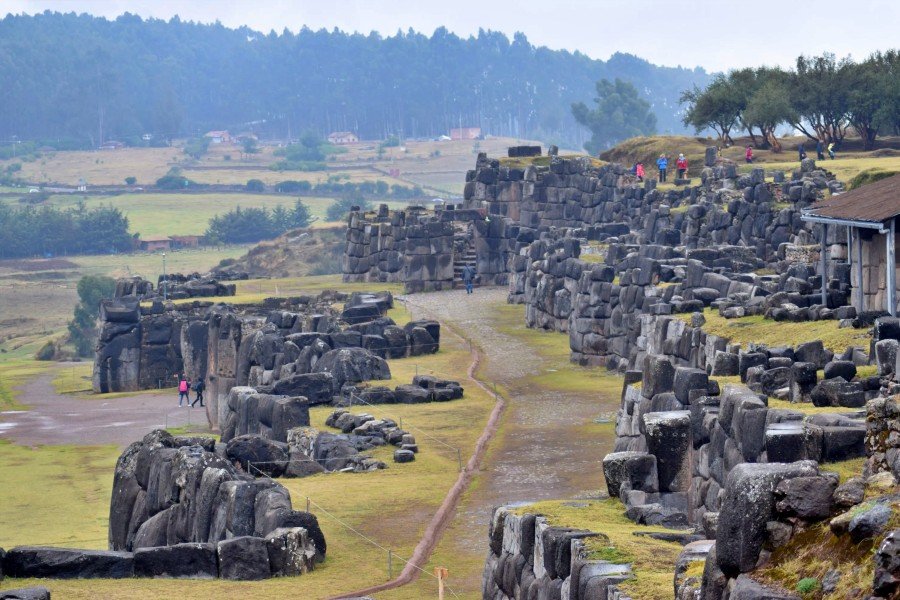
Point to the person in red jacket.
(682, 165)
(639, 171)
(749, 154)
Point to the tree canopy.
(822, 97)
(88, 79)
(83, 326)
(620, 113)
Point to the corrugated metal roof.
(876, 202)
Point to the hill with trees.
(77, 80)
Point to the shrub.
(292, 187)
(807, 584)
(338, 211)
(130, 180)
(173, 182)
(255, 185)
(46, 352)
(869, 176)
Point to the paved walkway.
(52, 418)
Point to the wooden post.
(892, 270)
(823, 261)
(441, 573)
(860, 293)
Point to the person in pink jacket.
(184, 388)
(639, 171)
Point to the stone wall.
(678, 438)
(531, 558)
(424, 249)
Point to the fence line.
(310, 501)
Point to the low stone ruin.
(175, 286)
(531, 558)
(286, 347)
(180, 508)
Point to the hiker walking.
(801, 151)
(682, 165)
(820, 150)
(184, 387)
(748, 155)
(830, 151)
(662, 163)
(468, 277)
(198, 388)
(639, 171)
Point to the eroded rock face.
(352, 365)
(269, 416)
(169, 490)
(749, 503)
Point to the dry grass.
(652, 560)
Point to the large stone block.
(188, 560)
(669, 440)
(243, 558)
(637, 470)
(67, 563)
(747, 506)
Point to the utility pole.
(165, 280)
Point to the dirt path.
(53, 418)
(538, 457)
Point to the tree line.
(247, 225)
(27, 231)
(823, 97)
(68, 78)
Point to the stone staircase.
(460, 260)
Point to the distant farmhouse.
(111, 145)
(341, 138)
(465, 133)
(174, 242)
(218, 137)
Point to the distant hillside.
(81, 79)
(297, 253)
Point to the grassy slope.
(756, 329)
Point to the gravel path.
(536, 457)
(52, 418)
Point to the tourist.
(662, 163)
(830, 151)
(639, 171)
(801, 151)
(468, 277)
(748, 155)
(198, 388)
(682, 165)
(184, 387)
(820, 150)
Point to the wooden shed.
(869, 214)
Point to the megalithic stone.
(668, 437)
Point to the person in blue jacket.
(662, 164)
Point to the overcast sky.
(717, 35)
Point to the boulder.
(840, 368)
(850, 493)
(243, 558)
(725, 364)
(195, 561)
(869, 522)
(291, 552)
(404, 456)
(29, 593)
(66, 563)
(808, 498)
(746, 588)
(687, 380)
(886, 582)
(637, 470)
(352, 365)
(812, 352)
(748, 504)
(838, 392)
(886, 356)
(317, 388)
(266, 456)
